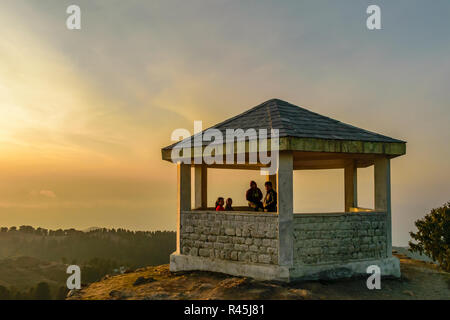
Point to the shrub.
(433, 236)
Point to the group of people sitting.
(254, 197)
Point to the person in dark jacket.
(228, 205)
(270, 200)
(254, 197)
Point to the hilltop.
(420, 280)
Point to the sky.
(84, 113)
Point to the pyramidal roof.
(294, 121)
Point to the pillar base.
(389, 267)
(180, 262)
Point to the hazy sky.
(84, 114)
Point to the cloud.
(97, 204)
(43, 193)
(47, 193)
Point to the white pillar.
(272, 178)
(184, 196)
(285, 209)
(201, 187)
(350, 186)
(382, 177)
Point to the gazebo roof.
(307, 131)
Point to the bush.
(42, 291)
(433, 236)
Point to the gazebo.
(285, 245)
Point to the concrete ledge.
(338, 214)
(389, 267)
(181, 262)
(235, 212)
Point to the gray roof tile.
(294, 121)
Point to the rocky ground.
(420, 280)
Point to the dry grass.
(420, 280)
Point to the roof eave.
(389, 149)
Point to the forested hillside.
(33, 261)
(129, 248)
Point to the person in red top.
(219, 204)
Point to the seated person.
(228, 206)
(219, 204)
(270, 200)
(254, 196)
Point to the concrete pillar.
(382, 178)
(351, 186)
(272, 178)
(285, 209)
(201, 187)
(184, 196)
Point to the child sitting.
(219, 204)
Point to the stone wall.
(253, 237)
(337, 238)
(236, 236)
